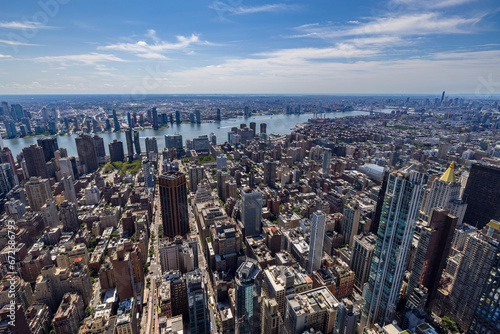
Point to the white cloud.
(155, 51)
(82, 59)
(431, 3)
(260, 9)
(403, 25)
(5, 56)
(4, 41)
(23, 25)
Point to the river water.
(280, 124)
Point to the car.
(150, 272)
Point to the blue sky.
(254, 47)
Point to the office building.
(221, 161)
(35, 161)
(116, 151)
(327, 157)
(399, 213)
(130, 144)
(350, 221)
(115, 121)
(316, 241)
(445, 192)
(251, 211)
(195, 177)
(269, 173)
(361, 259)
(482, 195)
(86, 152)
(173, 201)
(311, 310)
(177, 117)
(178, 254)
(245, 280)
(486, 317)
(201, 145)
(137, 142)
(6, 178)
(198, 116)
(470, 279)
(38, 191)
(122, 268)
(50, 214)
(99, 149)
(173, 141)
(432, 251)
(272, 321)
(155, 118)
(347, 317)
(69, 189)
(69, 217)
(10, 127)
(198, 303)
(218, 117)
(49, 146)
(151, 145)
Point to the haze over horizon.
(243, 47)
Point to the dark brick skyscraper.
(173, 199)
(35, 161)
(482, 195)
(86, 152)
(49, 146)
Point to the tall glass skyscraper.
(316, 241)
(399, 212)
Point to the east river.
(280, 124)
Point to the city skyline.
(238, 47)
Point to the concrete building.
(38, 191)
(68, 315)
(315, 309)
(116, 151)
(362, 252)
(87, 154)
(316, 242)
(69, 217)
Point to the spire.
(449, 175)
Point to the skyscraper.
(86, 152)
(37, 192)
(327, 157)
(130, 143)
(177, 117)
(400, 209)
(69, 216)
(151, 145)
(482, 195)
(197, 299)
(269, 173)
(472, 274)
(99, 148)
(137, 142)
(362, 252)
(155, 118)
(432, 251)
(251, 211)
(445, 192)
(129, 120)
(350, 221)
(49, 146)
(316, 241)
(486, 318)
(35, 161)
(116, 151)
(173, 199)
(6, 178)
(245, 280)
(218, 118)
(69, 189)
(115, 121)
(198, 116)
(195, 177)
